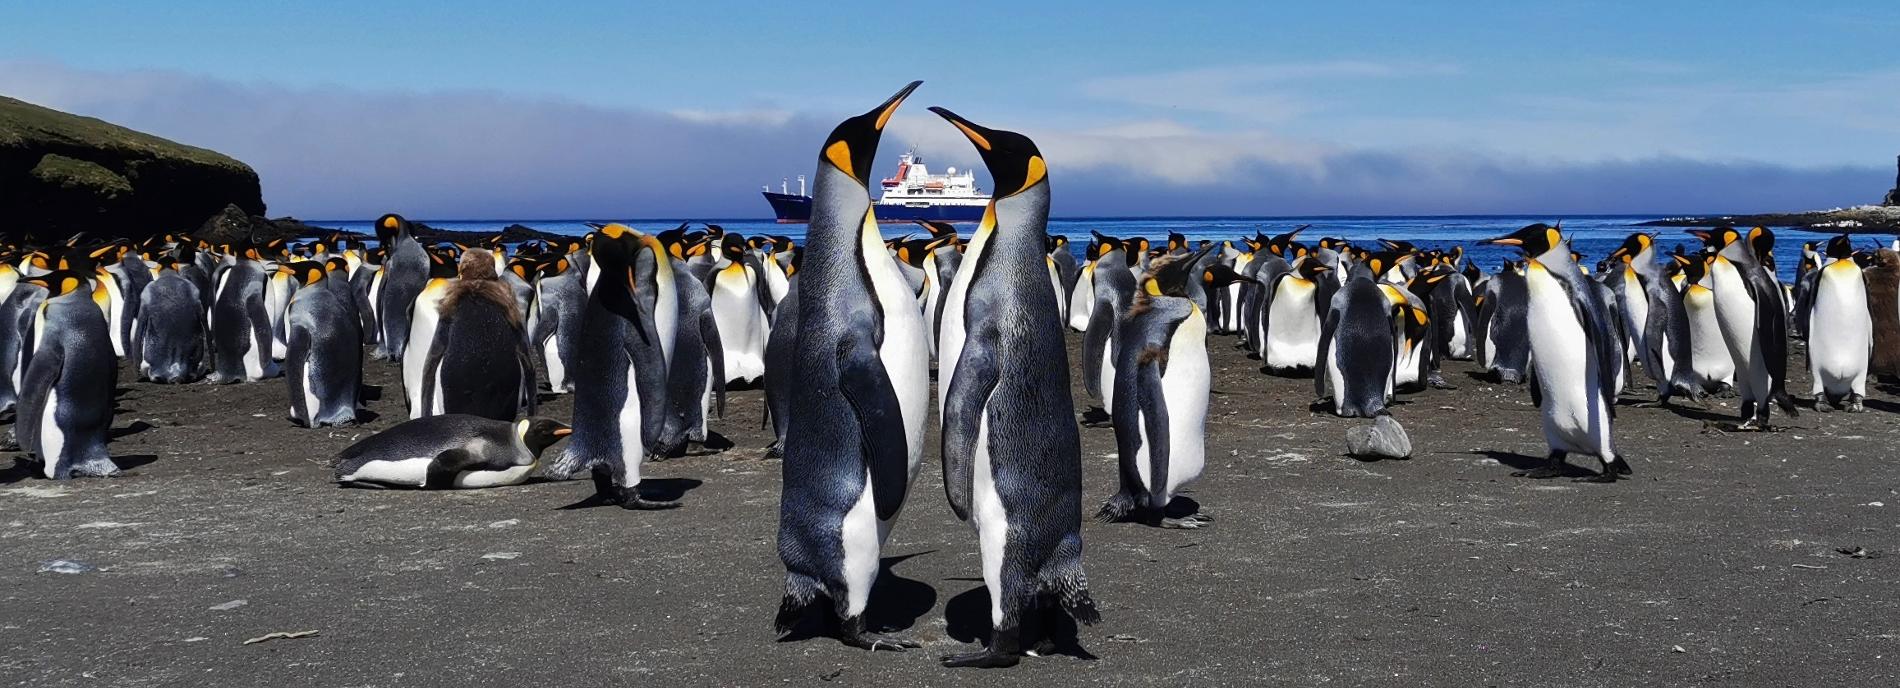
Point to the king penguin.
(737, 307)
(240, 323)
(405, 272)
(424, 315)
(624, 345)
(477, 359)
(449, 451)
(324, 354)
(1840, 330)
(1164, 382)
(1750, 309)
(1012, 461)
(1575, 354)
(1289, 322)
(859, 384)
(65, 414)
(1358, 346)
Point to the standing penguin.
(240, 322)
(1710, 367)
(1841, 330)
(1012, 461)
(425, 317)
(698, 374)
(17, 312)
(623, 345)
(1749, 308)
(1358, 346)
(477, 361)
(65, 414)
(1294, 310)
(405, 272)
(324, 354)
(779, 366)
(1575, 354)
(736, 306)
(555, 318)
(859, 387)
(1114, 290)
(1504, 343)
(1163, 380)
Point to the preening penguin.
(324, 354)
(1163, 380)
(697, 376)
(1011, 453)
(1575, 354)
(240, 323)
(65, 410)
(1504, 344)
(1358, 346)
(858, 388)
(1840, 329)
(449, 451)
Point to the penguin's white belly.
(1460, 337)
(1108, 377)
(989, 517)
(1335, 376)
(1081, 304)
(1292, 327)
(557, 371)
(1636, 320)
(1490, 354)
(1410, 361)
(1576, 416)
(1840, 334)
(412, 471)
(415, 354)
(906, 358)
(1735, 314)
(632, 445)
(52, 441)
(310, 408)
(1708, 353)
(742, 328)
(513, 475)
(1230, 315)
(254, 360)
(1055, 286)
(861, 537)
(1185, 388)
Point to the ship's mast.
(801, 185)
(784, 186)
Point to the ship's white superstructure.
(915, 187)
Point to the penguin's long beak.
(1702, 234)
(1504, 241)
(1014, 162)
(853, 143)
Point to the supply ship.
(911, 194)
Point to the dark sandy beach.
(1716, 564)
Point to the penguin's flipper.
(759, 289)
(438, 347)
(963, 407)
(448, 464)
(296, 357)
(1154, 416)
(867, 387)
(716, 359)
(1320, 374)
(261, 329)
(524, 360)
(36, 382)
(1095, 340)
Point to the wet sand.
(1716, 564)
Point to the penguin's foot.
(1552, 469)
(1188, 522)
(1822, 405)
(1750, 425)
(774, 451)
(1605, 477)
(1096, 417)
(987, 659)
(1854, 404)
(632, 501)
(1116, 509)
(716, 442)
(1436, 380)
(865, 640)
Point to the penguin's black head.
(390, 226)
(853, 144)
(441, 264)
(553, 267)
(1169, 274)
(1014, 162)
(1716, 239)
(1761, 240)
(1102, 244)
(1282, 245)
(1693, 266)
(1219, 275)
(1177, 241)
(1533, 239)
(306, 272)
(1428, 278)
(1397, 245)
(1633, 245)
(1058, 243)
(337, 265)
(732, 246)
(1310, 269)
(937, 229)
(540, 433)
(59, 282)
(1381, 261)
(1840, 247)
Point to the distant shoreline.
(1866, 219)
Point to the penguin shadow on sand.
(651, 489)
(1525, 462)
(967, 619)
(895, 605)
(24, 469)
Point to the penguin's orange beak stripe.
(563, 432)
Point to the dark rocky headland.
(1861, 219)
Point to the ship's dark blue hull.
(797, 209)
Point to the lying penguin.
(452, 450)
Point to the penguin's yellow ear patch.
(839, 153)
(389, 222)
(1037, 171)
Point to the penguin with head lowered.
(1114, 289)
(1663, 323)
(1358, 345)
(739, 307)
(698, 374)
(1750, 310)
(240, 322)
(1292, 310)
(622, 348)
(324, 354)
(1504, 344)
(1575, 354)
(1163, 381)
(65, 410)
(554, 317)
(449, 451)
(1012, 460)
(859, 387)
(1840, 328)
(17, 312)
(169, 341)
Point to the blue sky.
(479, 109)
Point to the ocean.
(1593, 235)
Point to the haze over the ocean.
(493, 110)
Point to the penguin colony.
(842, 334)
